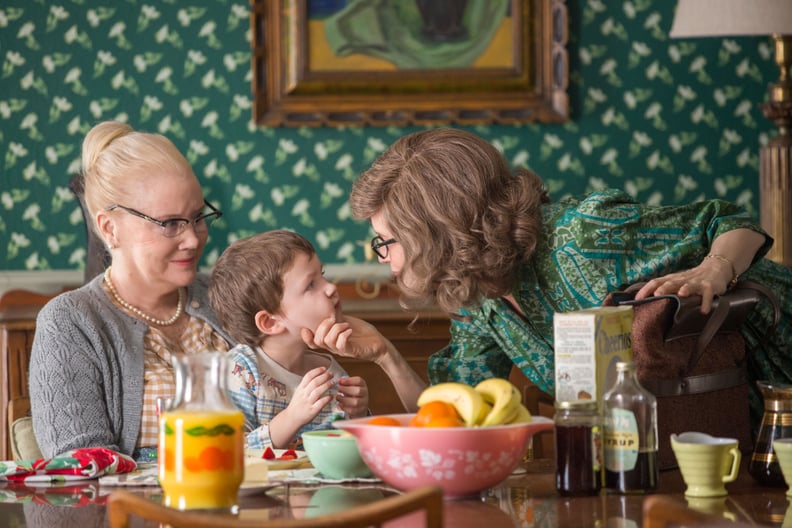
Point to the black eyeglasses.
(380, 246)
(174, 227)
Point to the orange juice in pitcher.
(201, 459)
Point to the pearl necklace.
(138, 311)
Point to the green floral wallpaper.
(670, 121)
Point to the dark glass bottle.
(630, 434)
(578, 428)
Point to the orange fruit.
(446, 421)
(383, 420)
(436, 414)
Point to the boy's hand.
(353, 396)
(310, 396)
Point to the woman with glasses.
(101, 354)
(460, 229)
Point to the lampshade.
(721, 18)
(712, 18)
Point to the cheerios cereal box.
(588, 344)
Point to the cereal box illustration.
(588, 344)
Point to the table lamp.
(720, 18)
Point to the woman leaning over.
(101, 353)
(461, 230)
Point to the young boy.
(265, 289)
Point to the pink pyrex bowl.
(462, 460)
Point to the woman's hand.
(708, 279)
(356, 338)
(353, 396)
(729, 257)
(352, 337)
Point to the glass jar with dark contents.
(578, 427)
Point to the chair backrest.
(97, 257)
(539, 403)
(23, 442)
(17, 328)
(123, 504)
(666, 512)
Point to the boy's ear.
(267, 323)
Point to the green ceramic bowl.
(335, 454)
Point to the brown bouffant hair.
(248, 278)
(465, 221)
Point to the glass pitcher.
(776, 423)
(200, 452)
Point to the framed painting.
(402, 62)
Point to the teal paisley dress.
(594, 245)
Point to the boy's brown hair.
(248, 278)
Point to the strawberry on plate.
(279, 458)
(289, 454)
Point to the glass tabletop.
(526, 499)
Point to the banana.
(468, 402)
(485, 410)
(523, 415)
(503, 396)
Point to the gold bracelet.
(721, 258)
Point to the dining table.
(527, 498)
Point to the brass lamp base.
(775, 160)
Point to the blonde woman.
(101, 353)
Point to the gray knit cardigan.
(86, 369)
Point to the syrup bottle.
(630, 434)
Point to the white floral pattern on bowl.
(462, 460)
(443, 466)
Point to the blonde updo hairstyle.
(465, 221)
(114, 156)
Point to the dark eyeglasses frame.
(378, 243)
(207, 218)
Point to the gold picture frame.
(291, 87)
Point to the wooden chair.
(123, 504)
(20, 425)
(539, 403)
(16, 339)
(666, 512)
